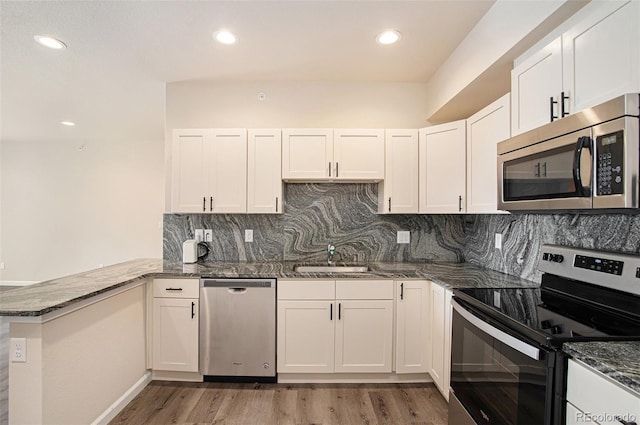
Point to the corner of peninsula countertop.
(45, 297)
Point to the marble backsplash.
(524, 234)
(314, 215)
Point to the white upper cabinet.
(190, 159)
(332, 155)
(600, 55)
(227, 171)
(595, 60)
(442, 168)
(535, 85)
(307, 154)
(358, 154)
(264, 171)
(209, 172)
(484, 130)
(398, 193)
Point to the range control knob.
(556, 329)
(558, 258)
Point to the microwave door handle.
(503, 337)
(583, 142)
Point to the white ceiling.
(120, 53)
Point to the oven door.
(496, 377)
(554, 174)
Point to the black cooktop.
(560, 310)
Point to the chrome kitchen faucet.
(331, 249)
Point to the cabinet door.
(436, 369)
(306, 336)
(600, 55)
(175, 334)
(442, 168)
(358, 154)
(307, 154)
(484, 130)
(399, 191)
(189, 170)
(264, 171)
(533, 83)
(364, 334)
(228, 171)
(412, 326)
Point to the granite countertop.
(619, 360)
(45, 297)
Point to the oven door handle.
(515, 343)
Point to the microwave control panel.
(610, 163)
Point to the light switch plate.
(404, 236)
(248, 235)
(498, 240)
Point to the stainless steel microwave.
(587, 160)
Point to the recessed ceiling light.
(68, 123)
(48, 41)
(388, 37)
(225, 37)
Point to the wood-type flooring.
(301, 404)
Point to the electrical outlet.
(498, 241)
(404, 236)
(199, 235)
(248, 235)
(208, 235)
(18, 353)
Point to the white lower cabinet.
(440, 340)
(412, 326)
(335, 326)
(305, 336)
(594, 398)
(175, 325)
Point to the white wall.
(79, 364)
(68, 206)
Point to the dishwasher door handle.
(237, 290)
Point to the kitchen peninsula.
(89, 333)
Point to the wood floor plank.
(285, 404)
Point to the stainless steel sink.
(330, 269)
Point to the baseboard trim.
(18, 282)
(353, 378)
(113, 410)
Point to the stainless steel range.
(507, 364)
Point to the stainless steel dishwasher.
(238, 329)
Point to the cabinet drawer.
(306, 290)
(602, 398)
(364, 289)
(176, 288)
